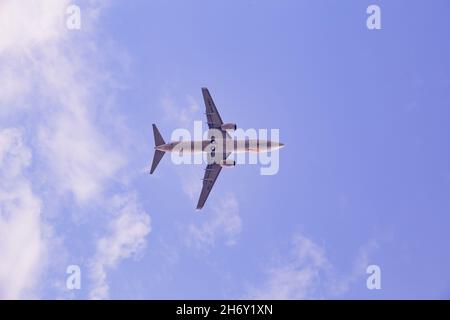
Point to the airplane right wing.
(211, 173)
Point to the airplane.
(210, 146)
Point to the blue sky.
(364, 178)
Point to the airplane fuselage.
(228, 146)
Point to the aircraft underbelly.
(195, 147)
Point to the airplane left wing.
(211, 173)
(212, 115)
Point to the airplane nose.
(281, 145)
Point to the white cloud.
(363, 259)
(56, 86)
(297, 278)
(223, 222)
(78, 155)
(125, 237)
(182, 116)
(23, 247)
(307, 273)
(14, 87)
(55, 72)
(25, 28)
(25, 24)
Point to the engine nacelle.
(228, 126)
(227, 163)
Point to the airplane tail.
(158, 153)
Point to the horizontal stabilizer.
(158, 138)
(156, 159)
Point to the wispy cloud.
(362, 260)
(23, 236)
(49, 75)
(307, 273)
(126, 236)
(222, 222)
(80, 158)
(26, 28)
(25, 24)
(299, 277)
(181, 114)
(58, 90)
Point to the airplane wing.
(211, 173)
(212, 115)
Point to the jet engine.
(228, 126)
(227, 163)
